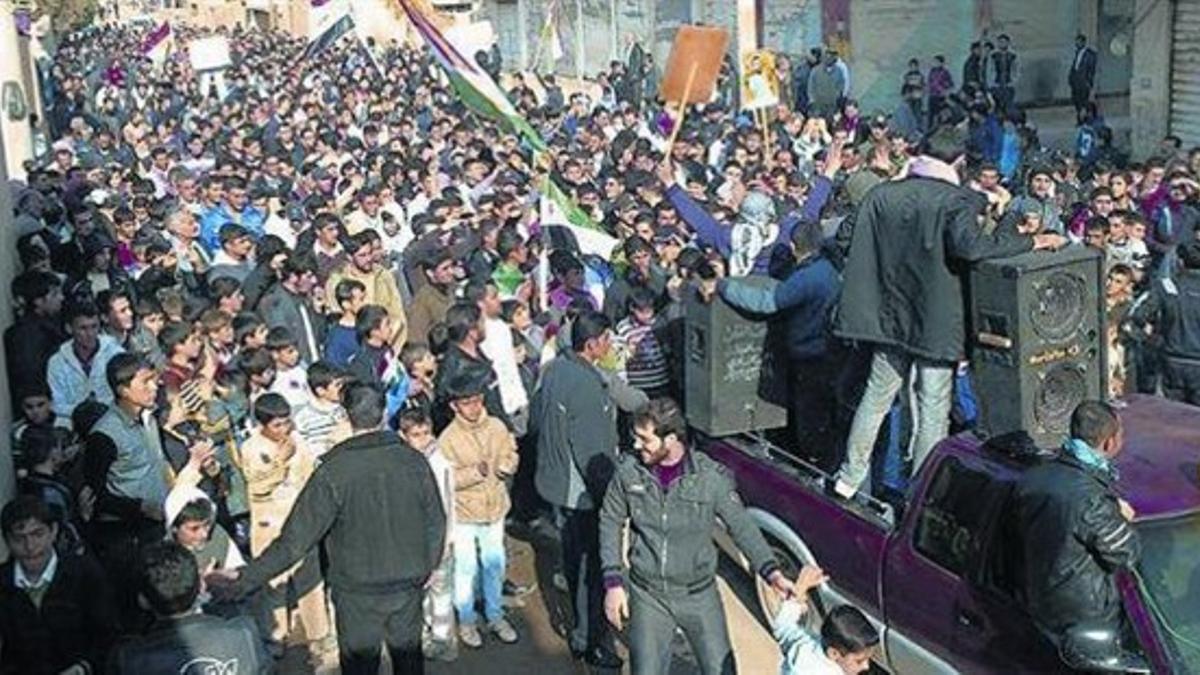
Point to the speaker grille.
(1058, 306)
(1063, 387)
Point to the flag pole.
(683, 105)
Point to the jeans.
(478, 552)
(889, 371)
(367, 620)
(652, 622)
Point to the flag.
(480, 93)
(558, 210)
(157, 43)
(475, 87)
(329, 35)
(550, 35)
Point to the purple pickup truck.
(938, 580)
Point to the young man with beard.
(673, 497)
(435, 296)
(380, 284)
(289, 304)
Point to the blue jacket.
(712, 233)
(806, 299)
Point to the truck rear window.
(954, 517)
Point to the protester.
(338, 216)
(661, 593)
(845, 645)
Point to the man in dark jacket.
(375, 505)
(903, 293)
(672, 499)
(290, 304)
(574, 420)
(184, 639)
(1172, 307)
(1082, 75)
(32, 340)
(465, 329)
(56, 611)
(805, 301)
(1074, 529)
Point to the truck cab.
(940, 578)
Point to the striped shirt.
(645, 363)
(321, 424)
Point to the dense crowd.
(318, 305)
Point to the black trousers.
(1080, 96)
(812, 408)
(365, 621)
(579, 530)
(1181, 380)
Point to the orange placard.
(695, 55)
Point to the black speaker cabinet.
(1037, 338)
(733, 380)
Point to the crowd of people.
(292, 352)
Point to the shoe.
(599, 657)
(438, 650)
(844, 490)
(513, 589)
(503, 630)
(468, 634)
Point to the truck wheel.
(769, 600)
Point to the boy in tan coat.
(277, 464)
(483, 453)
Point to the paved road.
(541, 650)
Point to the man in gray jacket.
(574, 418)
(672, 498)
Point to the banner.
(760, 80)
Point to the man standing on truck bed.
(902, 293)
(1074, 529)
(671, 499)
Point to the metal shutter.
(1185, 72)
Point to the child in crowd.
(291, 382)
(483, 454)
(421, 367)
(845, 645)
(44, 456)
(277, 464)
(322, 421)
(219, 334)
(250, 331)
(341, 342)
(645, 362)
(416, 429)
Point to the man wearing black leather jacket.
(1075, 531)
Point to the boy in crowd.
(322, 421)
(341, 342)
(56, 611)
(645, 361)
(416, 429)
(277, 465)
(291, 382)
(374, 363)
(846, 643)
(483, 454)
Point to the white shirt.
(498, 347)
(802, 652)
(24, 583)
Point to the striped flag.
(475, 87)
(158, 43)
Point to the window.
(955, 517)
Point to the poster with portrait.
(760, 82)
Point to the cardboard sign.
(210, 53)
(698, 47)
(760, 81)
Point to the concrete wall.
(8, 269)
(1150, 94)
(17, 134)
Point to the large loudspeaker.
(733, 381)
(1038, 343)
